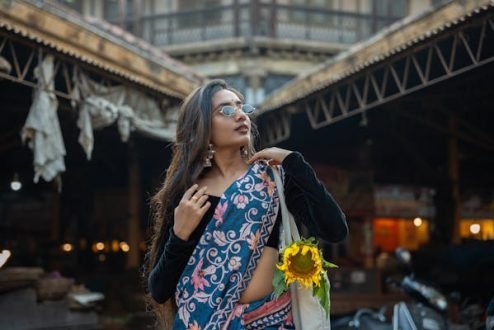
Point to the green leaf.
(328, 264)
(321, 292)
(279, 283)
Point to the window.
(194, 4)
(199, 16)
(390, 8)
(117, 11)
(122, 13)
(73, 4)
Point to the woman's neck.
(228, 163)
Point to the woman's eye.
(228, 110)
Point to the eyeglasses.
(229, 110)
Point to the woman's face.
(231, 131)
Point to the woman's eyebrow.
(228, 103)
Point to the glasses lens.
(228, 110)
(248, 109)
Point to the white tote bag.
(307, 312)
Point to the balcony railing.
(257, 19)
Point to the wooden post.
(55, 228)
(134, 229)
(454, 176)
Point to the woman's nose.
(239, 114)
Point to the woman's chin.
(241, 142)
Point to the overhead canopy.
(108, 75)
(124, 55)
(409, 55)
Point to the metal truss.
(462, 49)
(24, 57)
(275, 127)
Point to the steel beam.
(464, 48)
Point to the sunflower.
(302, 262)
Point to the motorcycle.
(427, 308)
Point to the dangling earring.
(244, 153)
(209, 156)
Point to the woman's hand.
(190, 210)
(274, 156)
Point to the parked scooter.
(426, 310)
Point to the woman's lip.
(242, 129)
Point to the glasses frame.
(241, 107)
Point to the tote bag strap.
(290, 230)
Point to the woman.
(216, 219)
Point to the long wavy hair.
(187, 165)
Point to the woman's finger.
(205, 207)
(273, 162)
(201, 200)
(263, 154)
(199, 194)
(188, 193)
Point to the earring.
(209, 156)
(244, 153)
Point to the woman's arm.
(172, 257)
(175, 247)
(310, 202)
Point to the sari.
(222, 264)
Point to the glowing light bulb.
(417, 222)
(67, 247)
(475, 228)
(124, 246)
(100, 246)
(15, 184)
(4, 256)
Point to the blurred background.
(387, 99)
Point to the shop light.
(67, 247)
(475, 228)
(417, 222)
(15, 184)
(100, 246)
(4, 256)
(124, 246)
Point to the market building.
(255, 45)
(388, 100)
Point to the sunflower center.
(302, 264)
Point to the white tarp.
(42, 128)
(101, 106)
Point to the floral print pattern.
(228, 251)
(241, 201)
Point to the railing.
(257, 19)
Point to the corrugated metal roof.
(86, 40)
(397, 38)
